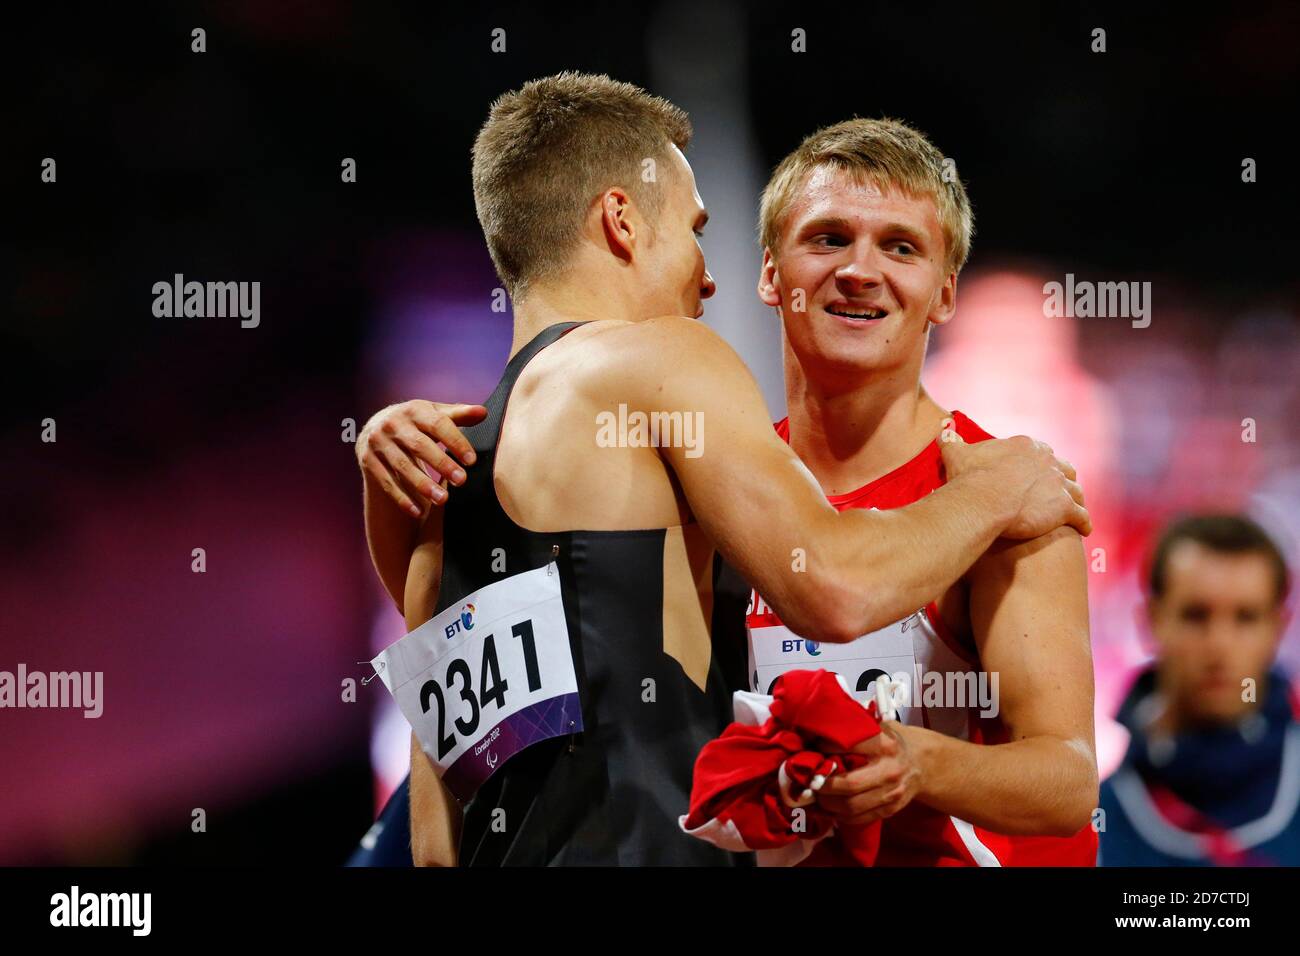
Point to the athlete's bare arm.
(829, 575)
(435, 815)
(397, 490)
(1029, 613)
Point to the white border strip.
(982, 854)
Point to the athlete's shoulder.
(674, 346)
(665, 332)
(644, 359)
(674, 330)
(622, 346)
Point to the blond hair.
(548, 149)
(886, 153)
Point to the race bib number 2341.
(487, 677)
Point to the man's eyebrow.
(839, 222)
(903, 229)
(825, 222)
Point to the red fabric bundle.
(754, 786)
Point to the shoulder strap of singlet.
(496, 403)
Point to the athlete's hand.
(1042, 486)
(877, 790)
(399, 440)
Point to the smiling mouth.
(859, 315)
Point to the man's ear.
(618, 223)
(946, 303)
(767, 285)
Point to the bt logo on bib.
(795, 644)
(465, 622)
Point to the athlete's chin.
(691, 308)
(843, 359)
(1219, 713)
(852, 346)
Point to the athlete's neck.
(584, 298)
(1173, 716)
(851, 435)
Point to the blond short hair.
(886, 153)
(548, 149)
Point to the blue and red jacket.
(1223, 796)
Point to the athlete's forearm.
(435, 815)
(391, 535)
(888, 564)
(1041, 785)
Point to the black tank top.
(611, 794)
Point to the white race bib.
(888, 652)
(489, 676)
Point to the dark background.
(222, 689)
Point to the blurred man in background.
(1212, 773)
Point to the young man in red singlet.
(864, 232)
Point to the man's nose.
(862, 271)
(1221, 635)
(709, 287)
